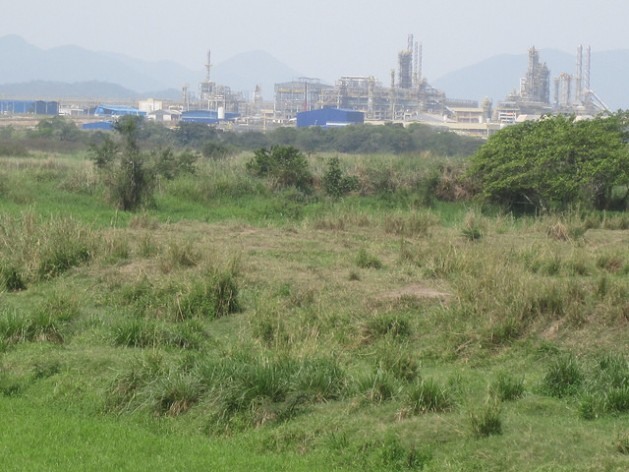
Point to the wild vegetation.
(556, 163)
(278, 309)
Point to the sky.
(320, 38)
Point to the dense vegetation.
(60, 134)
(556, 163)
(279, 310)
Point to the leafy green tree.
(57, 128)
(285, 166)
(194, 134)
(335, 182)
(123, 168)
(169, 165)
(555, 163)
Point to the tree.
(335, 182)
(285, 166)
(555, 163)
(122, 167)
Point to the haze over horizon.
(324, 39)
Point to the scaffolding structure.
(404, 99)
(216, 97)
(572, 94)
(535, 86)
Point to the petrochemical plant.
(408, 98)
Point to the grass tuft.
(507, 387)
(487, 420)
(564, 377)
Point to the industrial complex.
(303, 101)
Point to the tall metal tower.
(579, 76)
(208, 66)
(405, 59)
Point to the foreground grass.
(35, 437)
(232, 329)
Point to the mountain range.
(27, 71)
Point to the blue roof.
(206, 116)
(329, 117)
(117, 110)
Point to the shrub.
(169, 165)
(123, 168)
(216, 150)
(555, 163)
(284, 166)
(335, 182)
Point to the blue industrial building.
(208, 117)
(117, 110)
(329, 117)
(28, 107)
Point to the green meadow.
(378, 318)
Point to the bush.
(555, 163)
(216, 150)
(123, 168)
(335, 182)
(169, 165)
(284, 166)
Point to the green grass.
(231, 328)
(38, 438)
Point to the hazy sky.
(321, 38)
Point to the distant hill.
(95, 90)
(245, 71)
(499, 75)
(29, 70)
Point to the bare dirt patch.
(417, 291)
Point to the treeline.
(59, 134)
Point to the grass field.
(230, 327)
